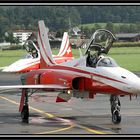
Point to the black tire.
(112, 109)
(116, 117)
(25, 114)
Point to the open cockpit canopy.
(100, 42)
(32, 48)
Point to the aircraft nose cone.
(137, 86)
(133, 86)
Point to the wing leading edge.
(49, 86)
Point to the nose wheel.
(115, 109)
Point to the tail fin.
(65, 49)
(44, 46)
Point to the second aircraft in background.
(32, 59)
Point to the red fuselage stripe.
(81, 71)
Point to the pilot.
(92, 59)
(88, 63)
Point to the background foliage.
(64, 17)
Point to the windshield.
(27, 56)
(107, 62)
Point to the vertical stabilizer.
(44, 46)
(65, 49)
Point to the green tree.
(133, 28)
(97, 26)
(109, 26)
(10, 38)
(124, 28)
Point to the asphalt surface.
(78, 117)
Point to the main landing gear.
(24, 106)
(115, 109)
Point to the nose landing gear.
(115, 109)
(25, 114)
(25, 108)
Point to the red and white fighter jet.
(84, 77)
(32, 59)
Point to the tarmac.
(78, 117)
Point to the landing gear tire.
(115, 109)
(25, 114)
(116, 117)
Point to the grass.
(125, 50)
(128, 58)
(10, 56)
(128, 61)
(92, 25)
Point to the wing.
(49, 86)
